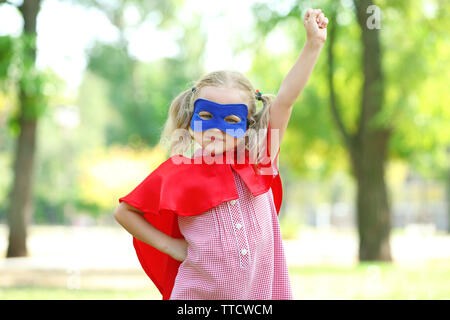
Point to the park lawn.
(363, 281)
(373, 281)
(50, 293)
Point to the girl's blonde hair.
(182, 109)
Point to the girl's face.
(214, 140)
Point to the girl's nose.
(215, 131)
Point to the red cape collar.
(199, 183)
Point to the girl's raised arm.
(292, 85)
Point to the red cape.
(189, 188)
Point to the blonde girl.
(211, 231)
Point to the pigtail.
(258, 123)
(175, 137)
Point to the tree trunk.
(372, 203)
(19, 213)
(20, 207)
(368, 146)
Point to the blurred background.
(85, 88)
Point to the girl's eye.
(232, 119)
(205, 115)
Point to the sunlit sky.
(66, 30)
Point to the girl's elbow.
(118, 212)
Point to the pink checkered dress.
(235, 251)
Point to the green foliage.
(139, 93)
(416, 95)
(121, 101)
(414, 40)
(19, 74)
(311, 140)
(31, 81)
(98, 187)
(6, 56)
(125, 101)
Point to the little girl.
(209, 229)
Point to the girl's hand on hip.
(315, 24)
(178, 249)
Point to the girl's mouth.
(213, 139)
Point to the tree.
(368, 146)
(382, 89)
(31, 105)
(140, 92)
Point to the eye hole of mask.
(205, 115)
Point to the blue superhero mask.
(218, 113)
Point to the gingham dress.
(235, 251)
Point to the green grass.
(363, 281)
(372, 281)
(43, 293)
